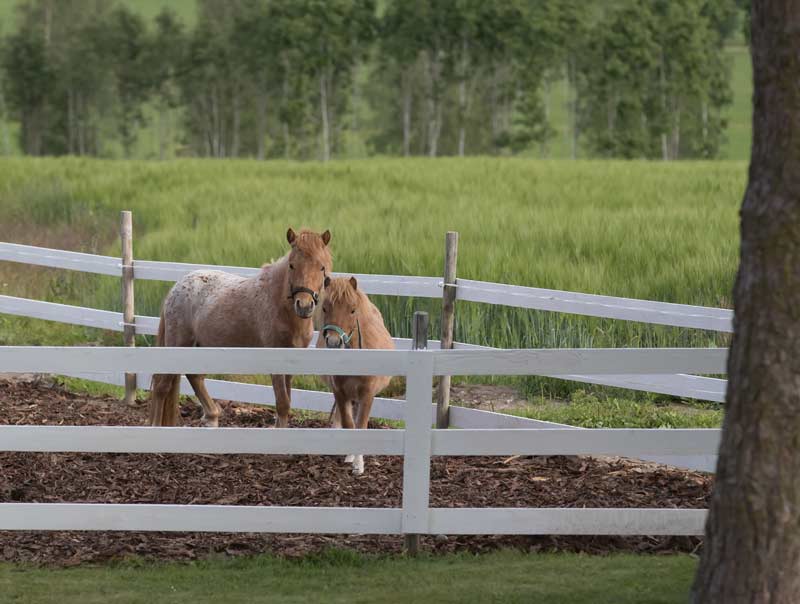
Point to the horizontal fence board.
(462, 417)
(198, 518)
(566, 521)
(62, 313)
(580, 360)
(257, 394)
(466, 418)
(76, 261)
(617, 441)
(151, 270)
(387, 285)
(645, 311)
(60, 359)
(69, 359)
(682, 385)
(127, 439)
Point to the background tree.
(752, 547)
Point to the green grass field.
(506, 577)
(645, 230)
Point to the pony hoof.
(211, 423)
(358, 465)
(349, 459)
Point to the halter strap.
(293, 291)
(346, 337)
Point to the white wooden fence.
(682, 384)
(659, 313)
(417, 442)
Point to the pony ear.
(353, 282)
(291, 237)
(326, 237)
(327, 282)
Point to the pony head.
(340, 313)
(310, 262)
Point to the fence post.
(448, 320)
(128, 315)
(417, 447)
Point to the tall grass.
(659, 231)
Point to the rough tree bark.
(752, 548)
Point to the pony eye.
(322, 269)
(352, 312)
(291, 267)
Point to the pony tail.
(164, 389)
(161, 335)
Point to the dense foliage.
(320, 78)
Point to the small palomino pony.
(272, 309)
(350, 320)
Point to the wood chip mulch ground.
(303, 480)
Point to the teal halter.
(346, 338)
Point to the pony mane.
(308, 243)
(311, 244)
(339, 291)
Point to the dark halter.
(303, 290)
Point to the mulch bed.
(307, 480)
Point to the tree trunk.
(463, 101)
(573, 109)
(663, 83)
(71, 121)
(323, 108)
(434, 109)
(261, 121)
(407, 99)
(752, 546)
(494, 106)
(81, 109)
(6, 143)
(676, 132)
(705, 121)
(543, 146)
(237, 110)
(215, 127)
(162, 130)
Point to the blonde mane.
(340, 291)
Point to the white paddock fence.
(683, 383)
(417, 442)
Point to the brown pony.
(272, 309)
(350, 320)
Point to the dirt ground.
(301, 480)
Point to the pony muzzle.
(335, 336)
(305, 300)
(333, 341)
(304, 306)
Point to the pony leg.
(211, 410)
(282, 400)
(164, 396)
(346, 414)
(335, 417)
(364, 409)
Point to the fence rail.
(482, 432)
(680, 383)
(626, 309)
(417, 442)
